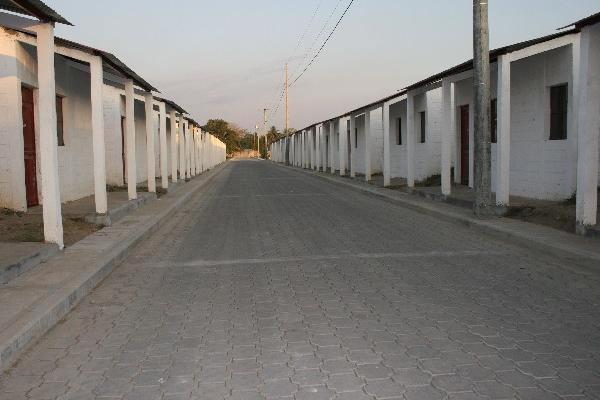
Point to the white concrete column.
(192, 164)
(199, 151)
(130, 136)
(182, 156)
(318, 132)
(193, 150)
(323, 148)
(53, 229)
(173, 123)
(587, 98)
(503, 132)
(202, 156)
(186, 149)
(150, 164)
(98, 143)
(300, 144)
(331, 146)
(299, 149)
(368, 143)
(410, 139)
(164, 164)
(315, 148)
(447, 134)
(352, 146)
(387, 166)
(343, 145)
(295, 152)
(325, 140)
(304, 158)
(309, 147)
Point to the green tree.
(225, 131)
(247, 142)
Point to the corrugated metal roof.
(33, 8)
(171, 103)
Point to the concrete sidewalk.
(584, 251)
(35, 301)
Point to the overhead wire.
(298, 43)
(323, 45)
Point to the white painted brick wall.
(12, 175)
(376, 141)
(427, 155)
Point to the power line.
(281, 92)
(307, 28)
(312, 46)
(324, 43)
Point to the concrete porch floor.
(16, 258)
(557, 214)
(85, 208)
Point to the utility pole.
(265, 129)
(287, 110)
(481, 81)
(257, 142)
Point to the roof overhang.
(494, 54)
(171, 104)
(33, 8)
(591, 20)
(110, 61)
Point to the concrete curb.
(581, 250)
(113, 216)
(101, 254)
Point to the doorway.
(464, 144)
(31, 189)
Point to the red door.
(464, 144)
(31, 189)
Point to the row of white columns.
(584, 121)
(198, 151)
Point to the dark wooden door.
(464, 144)
(123, 149)
(29, 147)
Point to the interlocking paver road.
(275, 284)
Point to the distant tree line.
(236, 138)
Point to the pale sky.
(224, 59)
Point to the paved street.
(307, 290)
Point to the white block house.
(76, 119)
(545, 125)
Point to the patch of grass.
(433, 180)
(571, 200)
(116, 188)
(11, 213)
